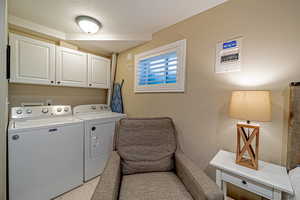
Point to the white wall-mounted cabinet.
(32, 61)
(37, 62)
(98, 71)
(71, 67)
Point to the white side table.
(269, 181)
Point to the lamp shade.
(251, 105)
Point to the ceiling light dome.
(88, 24)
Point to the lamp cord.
(248, 132)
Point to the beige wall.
(20, 93)
(3, 98)
(271, 60)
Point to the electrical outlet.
(129, 57)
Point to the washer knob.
(15, 137)
(28, 111)
(19, 111)
(66, 109)
(59, 109)
(45, 110)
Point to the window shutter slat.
(157, 72)
(157, 68)
(145, 78)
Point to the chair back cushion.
(146, 145)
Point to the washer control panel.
(40, 111)
(91, 108)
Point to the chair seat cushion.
(153, 186)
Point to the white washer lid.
(22, 125)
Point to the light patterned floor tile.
(83, 192)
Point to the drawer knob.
(244, 182)
(93, 128)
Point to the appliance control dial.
(19, 111)
(66, 109)
(59, 109)
(45, 110)
(28, 111)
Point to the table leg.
(221, 184)
(277, 195)
(224, 188)
(219, 178)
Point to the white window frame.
(179, 86)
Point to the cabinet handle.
(90, 84)
(52, 81)
(93, 128)
(244, 182)
(58, 82)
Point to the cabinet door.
(32, 61)
(99, 72)
(71, 67)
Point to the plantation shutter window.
(158, 70)
(161, 69)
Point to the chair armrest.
(195, 180)
(109, 183)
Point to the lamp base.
(252, 134)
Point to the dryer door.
(98, 147)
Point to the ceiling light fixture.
(88, 24)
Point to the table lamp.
(249, 106)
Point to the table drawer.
(257, 188)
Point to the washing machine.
(99, 126)
(45, 152)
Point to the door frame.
(3, 99)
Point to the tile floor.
(83, 192)
(86, 191)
